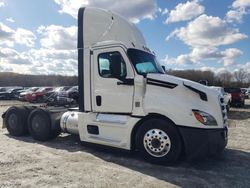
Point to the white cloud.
(245, 67)
(2, 3)
(135, 10)
(235, 15)
(207, 31)
(9, 36)
(52, 61)
(25, 37)
(58, 37)
(201, 55)
(46, 54)
(165, 11)
(185, 11)
(39, 61)
(8, 52)
(241, 3)
(238, 10)
(10, 20)
(229, 56)
(57, 55)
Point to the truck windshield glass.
(144, 62)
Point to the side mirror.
(116, 66)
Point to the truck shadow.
(231, 169)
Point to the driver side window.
(107, 60)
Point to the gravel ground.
(64, 162)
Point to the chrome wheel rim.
(156, 142)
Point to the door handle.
(128, 82)
(98, 100)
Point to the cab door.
(111, 94)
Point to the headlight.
(204, 117)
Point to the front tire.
(158, 141)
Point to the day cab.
(126, 100)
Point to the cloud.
(57, 55)
(235, 15)
(58, 37)
(135, 10)
(46, 54)
(245, 67)
(207, 31)
(165, 11)
(185, 11)
(237, 11)
(9, 36)
(39, 61)
(229, 56)
(10, 20)
(241, 3)
(25, 37)
(2, 3)
(8, 52)
(200, 55)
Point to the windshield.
(144, 62)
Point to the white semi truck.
(126, 101)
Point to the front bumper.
(202, 143)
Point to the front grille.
(223, 111)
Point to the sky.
(39, 37)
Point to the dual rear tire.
(15, 121)
(40, 126)
(21, 121)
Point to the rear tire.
(39, 124)
(16, 121)
(158, 141)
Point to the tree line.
(239, 78)
(14, 79)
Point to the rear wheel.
(16, 121)
(158, 141)
(39, 125)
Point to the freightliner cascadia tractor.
(126, 101)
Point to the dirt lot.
(64, 162)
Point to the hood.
(173, 81)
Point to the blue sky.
(39, 37)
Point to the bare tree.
(225, 78)
(240, 76)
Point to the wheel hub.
(157, 143)
(13, 121)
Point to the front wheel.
(159, 142)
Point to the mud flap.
(3, 124)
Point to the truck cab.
(127, 101)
